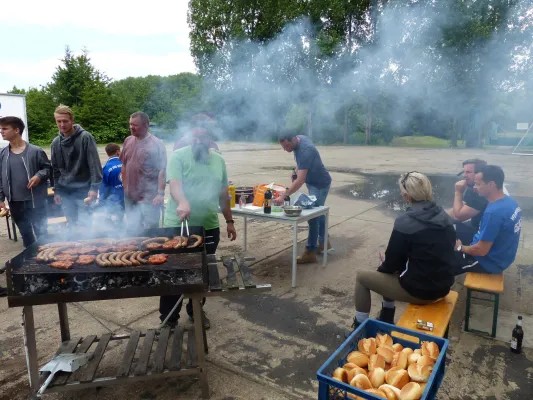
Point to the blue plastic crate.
(330, 389)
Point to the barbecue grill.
(30, 282)
(188, 271)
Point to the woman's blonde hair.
(416, 185)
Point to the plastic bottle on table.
(231, 194)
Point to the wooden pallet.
(181, 360)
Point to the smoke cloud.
(410, 63)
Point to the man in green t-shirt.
(198, 186)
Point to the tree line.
(342, 71)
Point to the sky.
(133, 38)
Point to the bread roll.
(430, 349)
(341, 374)
(349, 366)
(377, 377)
(383, 340)
(367, 346)
(361, 382)
(418, 351)
(355, 371)
(419, 373)
(422, 386)
(400, 360)
(397, 347)
(425, 360)
(358, 358)
(377, 392)
(386, 352)
(397, 377)
(413, 358)
(391, 392)
(411, 391)
(376, 361)
(408, 350)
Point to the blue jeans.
(317, 226)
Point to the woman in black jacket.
(418, 266)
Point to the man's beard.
(200, 152)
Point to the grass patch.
(423, 141)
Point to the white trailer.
(14, 105)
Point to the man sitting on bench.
(494, 247)
(468, 205)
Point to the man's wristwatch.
(230, 221)
(161, 192)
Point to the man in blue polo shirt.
(311, 171)
(494, 247)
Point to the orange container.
(260, 190)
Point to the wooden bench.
(438, 313)
(491, 284)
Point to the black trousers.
(30, 221)
(166, 303)
(464, 231)
(465, 263)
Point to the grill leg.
(467, 314)
(200, 351)
(63, 322)
(245, 232)
(495, 315)
(31, 347)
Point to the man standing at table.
(198, 186)
(144, 162)
(76, 166)
(311, 171)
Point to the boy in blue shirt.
(494, 246)
(111, 189)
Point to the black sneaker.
(207, 323)
(170, 324)
(354, 326)
(3, 291)
(387, 315)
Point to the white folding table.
(280, 217)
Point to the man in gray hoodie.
(77, 168)
(24, 171)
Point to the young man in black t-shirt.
(468, 206)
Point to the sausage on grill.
(141, 255)
(154, 240)
(198, 241)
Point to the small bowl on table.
(292, 211)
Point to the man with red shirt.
(144, 163)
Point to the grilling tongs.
(186, 227)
